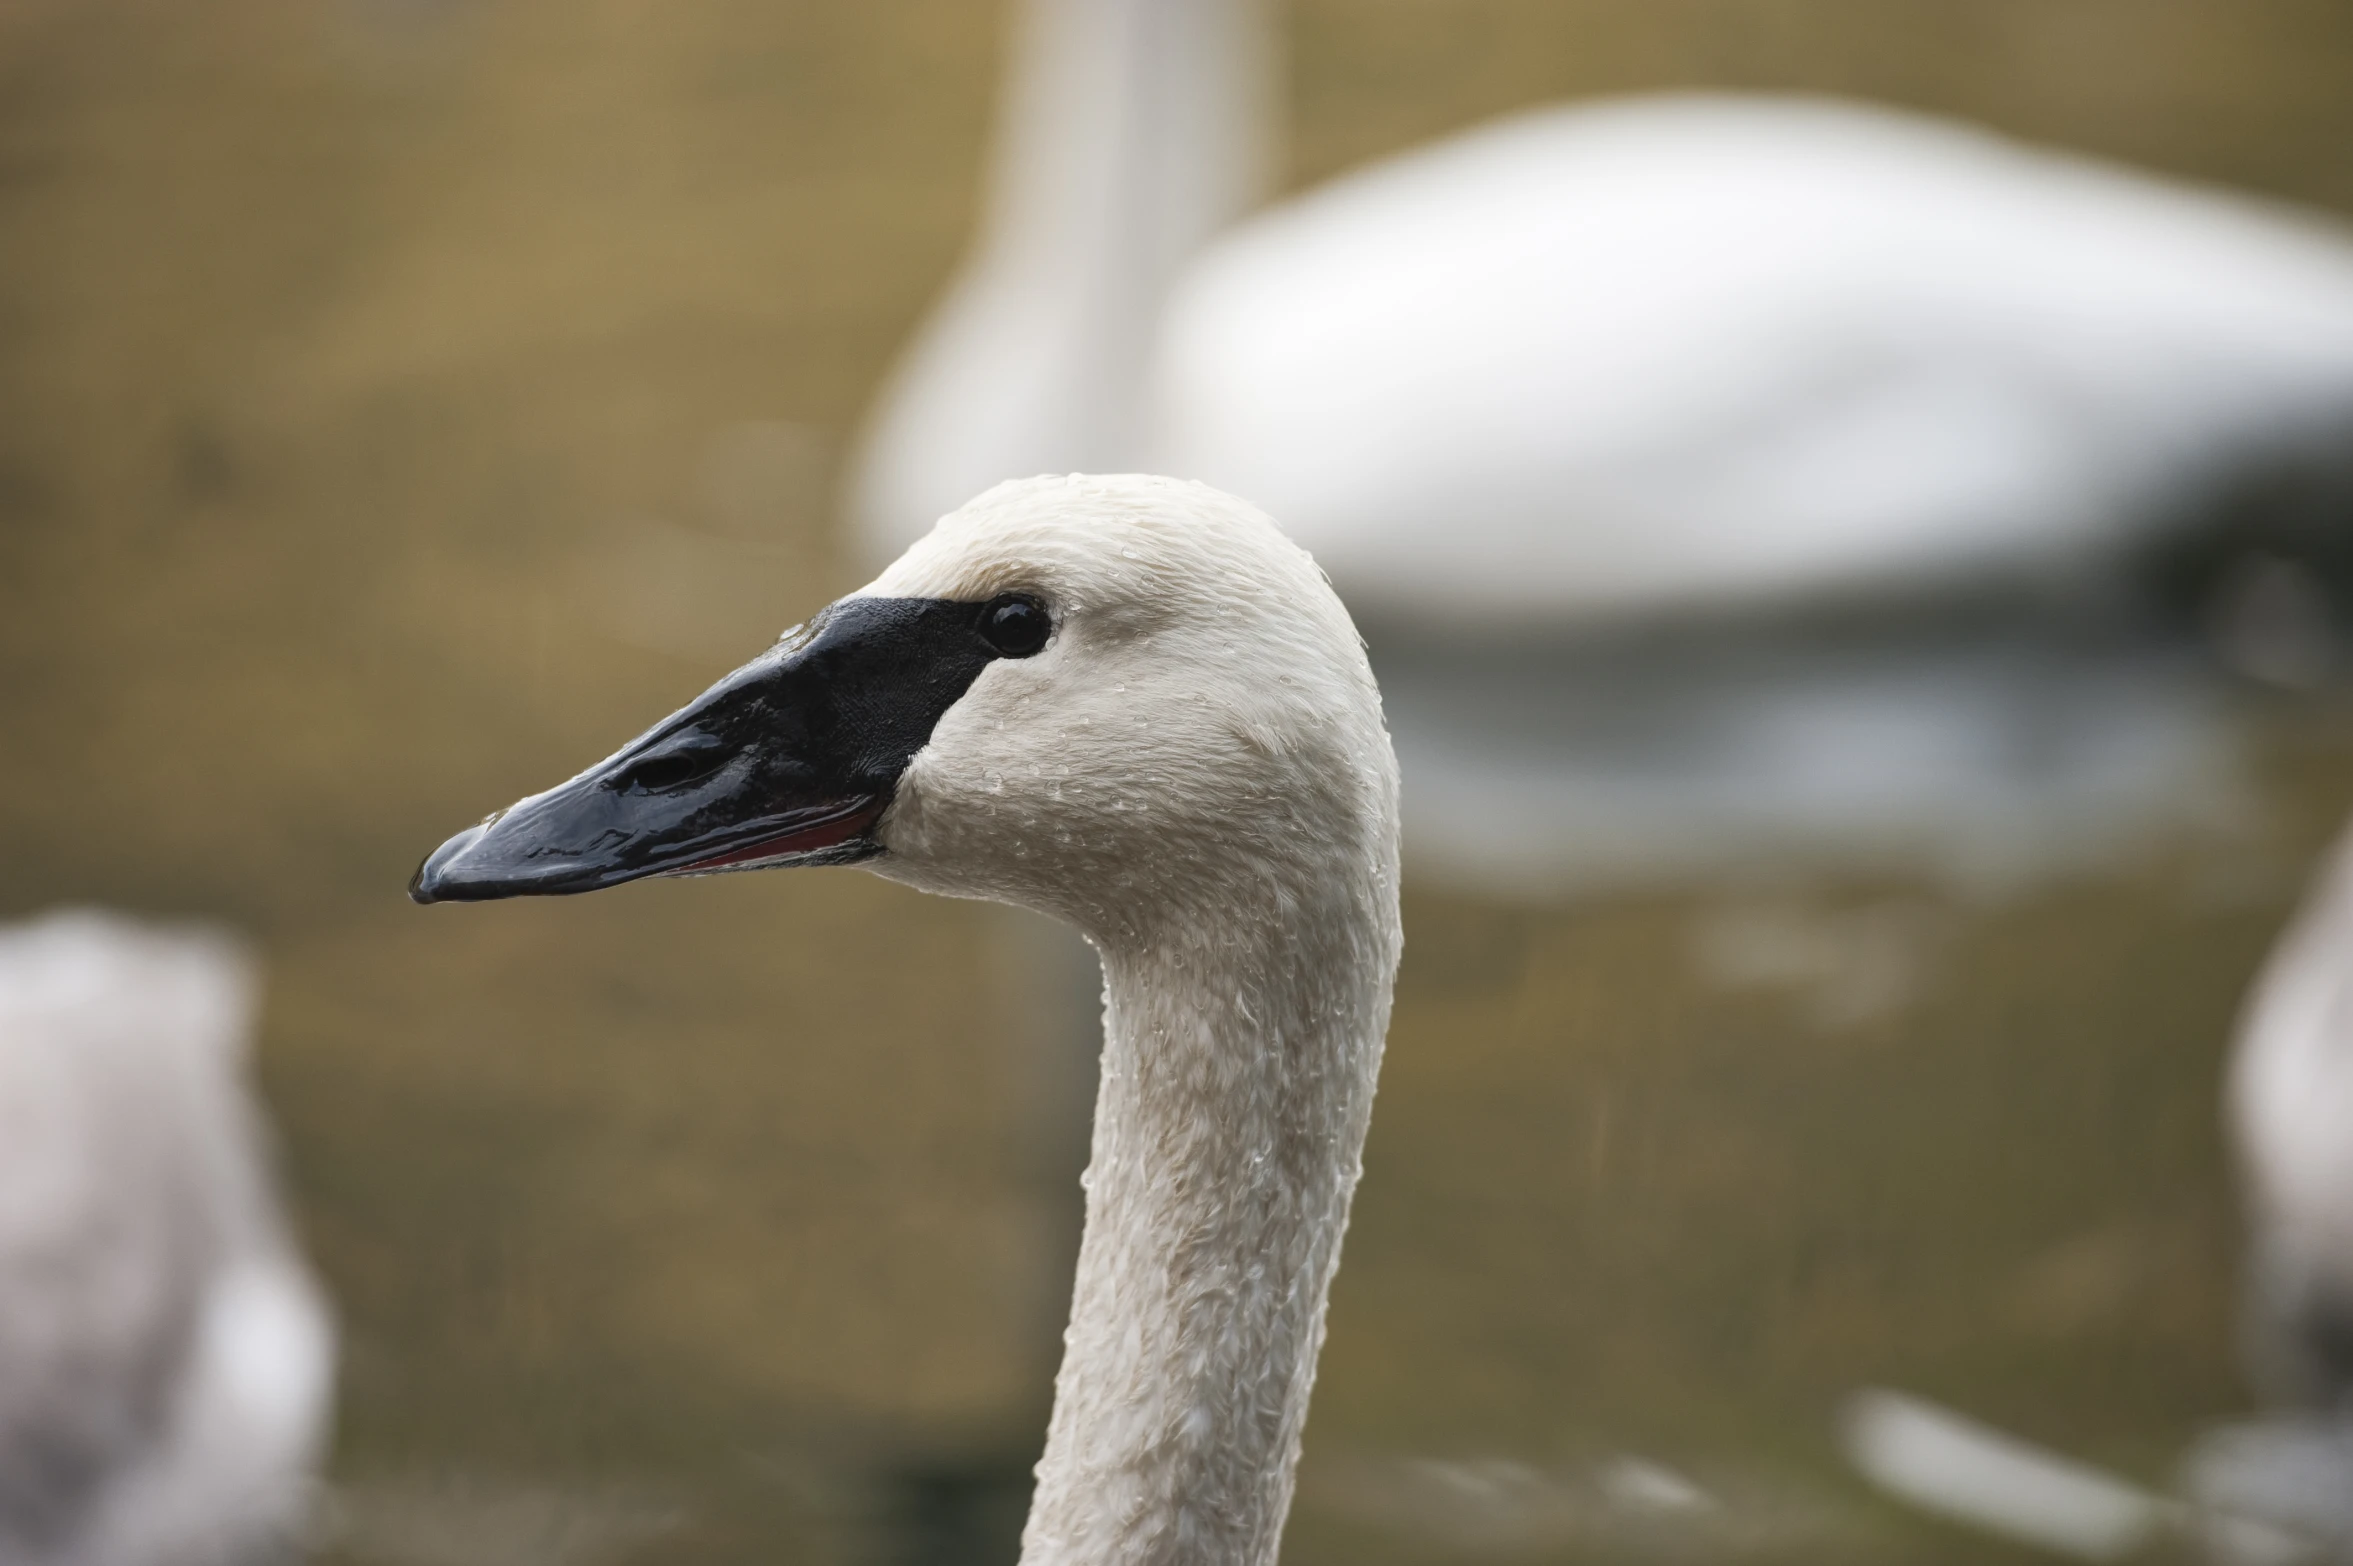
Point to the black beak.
(790, 760)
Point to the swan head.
(1102, 697)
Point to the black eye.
(1016, 625)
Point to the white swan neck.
(1238, 1072)
(1131, 131)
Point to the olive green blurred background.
(404, 401)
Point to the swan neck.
(1128, 134)
(1131, 132)
(1238, 1070)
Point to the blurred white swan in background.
(2290, 1112)
(1640, 354)
(165, 1359)
(1695, 352)
(2269, 1491)
(1130, 133)
(1593, 370)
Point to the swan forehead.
(1092, 542)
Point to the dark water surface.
(402, 401)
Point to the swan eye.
(1016, 625)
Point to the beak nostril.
(679, 767)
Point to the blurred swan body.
(165, 1359)
(2290, 1106)
(1606, 360)
(1698, 352)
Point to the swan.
(2273, 1488)
(1129, 703)
(2289, 1101)
(1632, 357)
(165, 1359)
(2288, 1107)
(1691, 352)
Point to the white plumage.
(1694, 351)
(1131, 132)
(165, 1359)
(2291, 1117)
(1602, 360)
(2280, 1487)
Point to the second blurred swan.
(2291, 1117)
(2289, 1104)
(165, 1359)
(1599, 361)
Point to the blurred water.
(1976, 758)
(404, 402)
